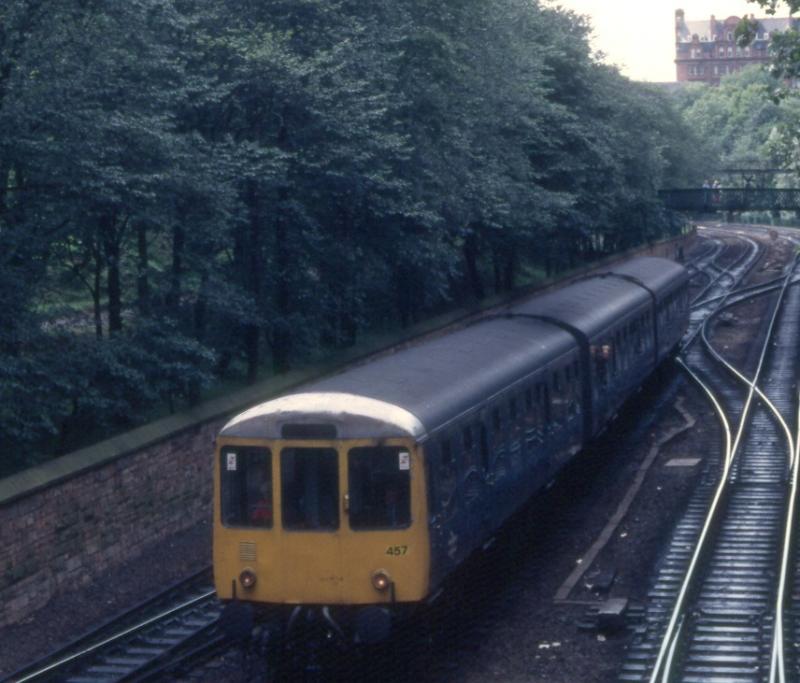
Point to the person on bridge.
(706, 194)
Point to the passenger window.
(379, 485)
(601, 354)
(484, 449)
(467, 438)
(446, 453)
(528, 400)
(447, 472)
(546, 403)
(309, 488)
(512, 409)
(497, 421)
(246, 487)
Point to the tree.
(785, 45)
(192, 188)
(738, 121)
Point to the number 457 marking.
(397, 550)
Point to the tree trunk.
(470, 250)
(281, 339)
(113, 281)
(142, 267)
(251, 350)
(497, 269)
(201, 308)
(509, 269)
(96, 287)
(176, 271)
(402, 294)
(253, 281)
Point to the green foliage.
(772, 6)
(234, 183)
(784, 48)
(739, 123)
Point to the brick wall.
(63, 534)
(71, 519)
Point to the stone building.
(706, 50)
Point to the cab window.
(379, 480)
(246, 487)
(309, 488)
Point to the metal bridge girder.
(732, 199)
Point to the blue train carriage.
(668, 284)
(625, 320)
(357, 496)
(612, 322)
(365, 490)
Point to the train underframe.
(332, 625)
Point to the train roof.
(589, 305)
(659, 275)
(415, 389)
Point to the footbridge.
(706, 200)
(742, 189)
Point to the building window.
(730, 36)
(730, 52)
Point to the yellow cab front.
(320, 522)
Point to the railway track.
(170, 630)
(720, 609)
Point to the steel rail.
(777, 661)
(752, 383)
(674, 628)
(700, 264)
(789, 534)
(744, 262)
(767, 286)
(777, 672)
(777, 665)
(94, 633)
(95, 647)
(722, 272)
(675, 625)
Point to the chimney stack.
(679, 22)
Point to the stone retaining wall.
(62, 535)
(72, 519)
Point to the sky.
(639, 35)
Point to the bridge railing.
(732, 199)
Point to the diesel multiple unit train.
(354, 497)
